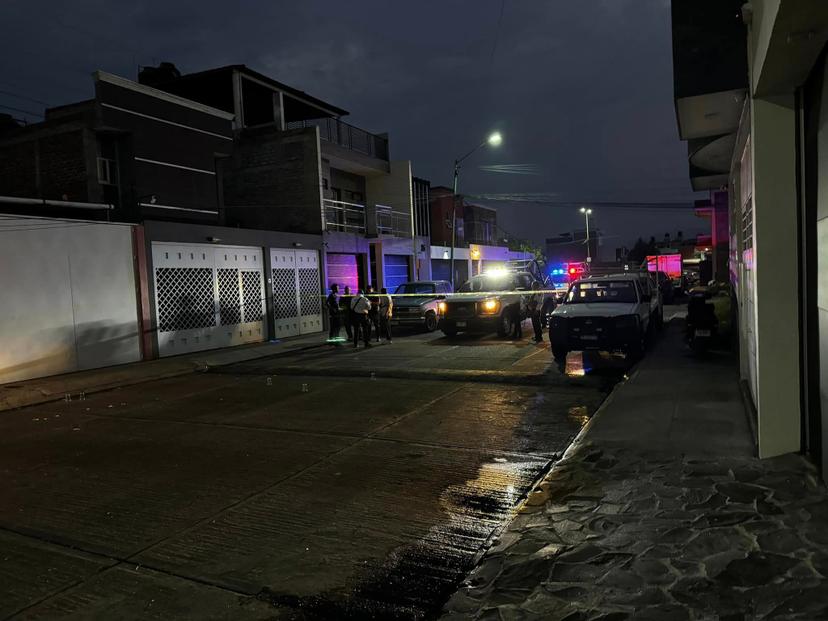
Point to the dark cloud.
(582, 91)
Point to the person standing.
(373, 314)
(332, 302)
(360, 306)
(386, 308)
(534, 308)
(345, 311)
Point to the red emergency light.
(572, 270)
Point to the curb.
(51, 398)
(436, 374)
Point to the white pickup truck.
(606, 313)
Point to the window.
(489, 282)
(107, 171)
(599, 292)
(416, 287)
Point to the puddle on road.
(414, 581)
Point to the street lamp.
(586, 213)
(494, 140)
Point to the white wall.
(393, 190)
(822, 264)
(776, 260)
(68, 297)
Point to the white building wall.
(68, 298)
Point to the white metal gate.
(296, 289)
(207, 296)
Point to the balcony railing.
(391, 222)
(344, 217)
(356, 218)
(347, 136)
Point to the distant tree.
(639, 251)
(524, 245)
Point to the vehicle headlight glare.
(442, 306)
(491, 306)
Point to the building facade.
(299, 167)
(750, 100)
(136, 154)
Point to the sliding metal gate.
(207, 296)
(297, 292)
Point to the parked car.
(606, 313)
(416, 303)
(492, 302)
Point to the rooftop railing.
(346, 136)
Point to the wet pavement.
(661, 512)
(323, 484)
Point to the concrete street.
(321, 483)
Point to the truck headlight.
(490, 307)
(442, 307)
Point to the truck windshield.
(416, 287)
(604, 291)
(488, 283)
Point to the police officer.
(534, 307)
(345, 311)
(334, 312)
(373, 314)
(386, 308)
(360, 306)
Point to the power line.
(25, 98)
(497, 35)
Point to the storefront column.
(773, 139)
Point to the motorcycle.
(708, 317)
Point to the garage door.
(207, 296)
(343, 270)
(297, 292)
(396, 270)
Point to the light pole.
(586, 213)
(493, 140)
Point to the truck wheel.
(430, 322)
(559, 353)
(449, 332)
(506, 325)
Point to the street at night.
(311, 482)
(414, 311)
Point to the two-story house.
(298, 166)
(136, 154)
(479, 243)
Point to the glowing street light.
(587, 213)
(495, 139)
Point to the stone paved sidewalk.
(660, 511)
(611, 534)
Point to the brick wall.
(272, 182)
(62, 166)
(59, 160)
(18, 170)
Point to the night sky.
(581, 90)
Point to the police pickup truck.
(492, 302)
(606, 313)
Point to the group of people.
(360, 313)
